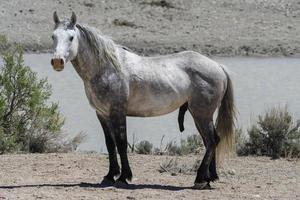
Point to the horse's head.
(65, 41)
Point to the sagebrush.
(192, 144)
(28, 121)
(144, 147)
(275, 135)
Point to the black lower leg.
(207, 132)
(212, 169)
(119, 124)
(114, 168)
(203, 173)
(126, 173)
(212, 166)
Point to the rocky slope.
(225, 27)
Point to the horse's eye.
(52, 37)
(71, 38)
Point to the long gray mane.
(103, 47)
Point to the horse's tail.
(225, 122)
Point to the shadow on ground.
(98, 185)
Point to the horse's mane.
(102, 46)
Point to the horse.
(120, 83)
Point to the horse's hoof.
(121, 184)
(107, 182)
(207, 187)
(201, 186)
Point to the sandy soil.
(76, 176)
(223, 27)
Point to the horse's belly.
(151, 111)
(154, 105)
(158, 93)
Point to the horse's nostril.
(61, 61)
(52, 62)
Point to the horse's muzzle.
(58, 64)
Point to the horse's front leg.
(118, 120)
(114, 168)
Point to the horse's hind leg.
(212, 166)
(114, 168)
(207, 170)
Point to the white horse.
(119, 83)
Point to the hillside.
(224, 28)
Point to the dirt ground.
(77, 176)
(223, 27)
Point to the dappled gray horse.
(119, 83)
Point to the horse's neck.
(85, 63)
(89, 65)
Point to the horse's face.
(65, 42)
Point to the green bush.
(240, 143)
(291, 145)
(28, 122)
(3, 43)
(144, 147)
(274, 135)
(191, 145)
(172, 149)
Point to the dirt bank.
(76, 176)
(224, 28)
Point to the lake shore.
(218, 28)
(77, 176)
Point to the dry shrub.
(144, 147)
(29, 122)
(275, 135)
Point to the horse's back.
(160, 84)
(157, 85)
(192, 62)
(203, 72)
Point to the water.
(260, 83)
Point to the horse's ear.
(73, 18)
(55, 18)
